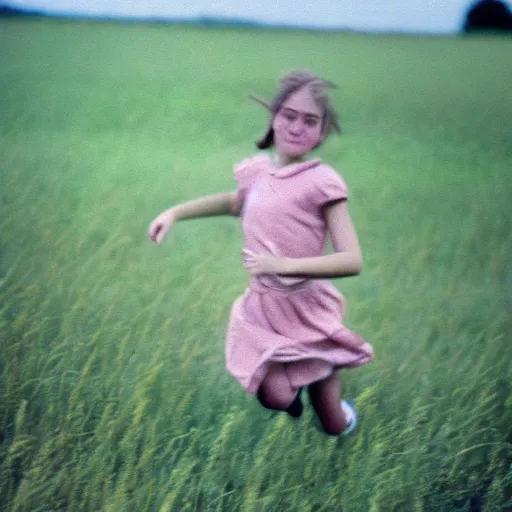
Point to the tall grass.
(113, 393)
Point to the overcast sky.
(438, 16)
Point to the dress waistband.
(268, 282)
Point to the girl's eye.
(288, 116)
(311, 122)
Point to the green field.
(113, 391)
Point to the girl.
(285, 332)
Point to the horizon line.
(205, 19)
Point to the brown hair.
(290, 84)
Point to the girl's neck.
(281, 160)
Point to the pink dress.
(288, 320)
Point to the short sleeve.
(246, 172)
(329, 188)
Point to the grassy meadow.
(113, 390)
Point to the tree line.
(481, 16)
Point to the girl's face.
(298, 125)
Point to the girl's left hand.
(258, 264)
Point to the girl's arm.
(346, 261)
(207, 206)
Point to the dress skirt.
(298, 324)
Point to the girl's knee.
(262, 400)
(276, 391)
(280, 404)
(277, 400)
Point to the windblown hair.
(290, 84)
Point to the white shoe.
(351, 417)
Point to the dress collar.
(292, 169)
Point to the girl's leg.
(277, 393)
(325, 398)
(295, 409)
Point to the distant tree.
(7, 11)
(488, 15)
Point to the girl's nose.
(296, 127)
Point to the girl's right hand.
(161, 225)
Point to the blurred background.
(440, 17)
(113, 389)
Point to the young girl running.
(285, 332)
